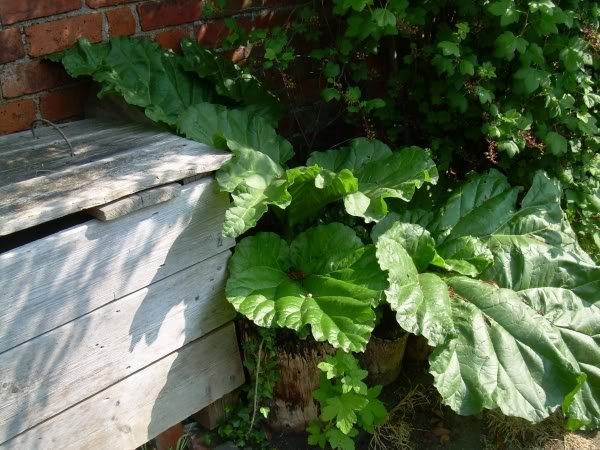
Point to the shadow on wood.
(111, 332)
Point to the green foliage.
(346, 403)
(523, 262)
(238, 426)
(229, 80)
(508, 83)
(380, 172)
(141, 72)
(325, 280)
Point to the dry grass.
(516, 433)
(395, 433)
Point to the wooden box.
(113, 321)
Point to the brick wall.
(32, 88)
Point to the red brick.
(58, 35)
(171, 39)
(16, 116)
(32, 77)
(120, 22)
(64, 103)
(101, 3)
(12, 11)
(11, 47)
(167, 13)
(212, 34)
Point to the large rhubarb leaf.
(477, 208)
(356, 155)
(381, 174)
(141, 72)
(505, 356)
(525, 336)
(229, 80)
(326, 280)
(420, 301)
(578, 322)
(312, 188)
(215, 125)
(466, 255)
(254, 176)
(255, 181)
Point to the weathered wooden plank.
(211, 416)
(46, 183)
(52, 372)
(133, 202)
(54, 280)
(135, 410)
(45, 135)
(23, 157)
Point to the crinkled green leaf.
(254, 176)
(249, 205)
(84, 58)
(466, 255)
(229, 80)
(326, 279)
(381, 174)
(312, 188)
(525, 336)
(536, 255)
(477, 208)
(357, 154)
(578, 321)
(415, 240)
(255, 181)
(505, 355)
(215, 125)
(416, 216)
(420, 301)
(141, 72)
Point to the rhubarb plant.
(516, 330)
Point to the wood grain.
(52, 372)
(42, 182)
(135, 410)
(54, 280)
(133, 202)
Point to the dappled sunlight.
(102, 300)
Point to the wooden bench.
(113, 321)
